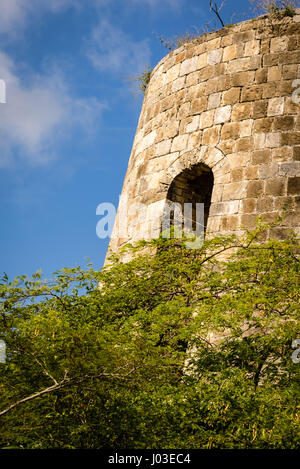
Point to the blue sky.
(68, 125)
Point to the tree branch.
(34, 396)
(65, 382)
(214, 7)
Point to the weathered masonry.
(220, 124)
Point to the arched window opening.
(192, 186)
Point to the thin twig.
(214, 7)
(65, 381)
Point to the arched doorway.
(191, 187)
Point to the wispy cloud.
(159, 3)
(15, 13)
(110, 49)
(36, 118)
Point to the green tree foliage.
(178, 348)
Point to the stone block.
(211, 136)
(193, 125)
(202, 61)
(289, 57)
(230, 53)
(213, 43)
(167, 103)
(171, 129)
(230, 130)
(255, 188)
(234, 191)
(269, 170)
(260, 108)
(227, 146)
(163, 148)
(290, 72)
(291, 106)
(248, 221)
(183, 111)
(188, 66)
(214, 56)
(229, 223)
(172, 73)
(244, 144)
(284, 123)
(269, 90)
(259, 141)
(279, 233)
(222, 114)
(242, 111)
(273, 140)
(290, 138)
(239, 79)
(195, 139)
(225, 208)
(275, 186)
(214, 101)
(296, 153)
(146, 142)
(263, 125)
(244, 36)
(271, 59)
(261, 75)
(231, 96)
(275, 106)
(279, 44)
(213, 224)
(274, 73)
(179, 143)
(206, 73)
(261, 156)
(252, 93)
(282, 153)
(289, 169)
(199, 105)
(251, 172)
(246, 128)
(223, 83)
(178, 84)
(252, 48)
(206, 119)
(180, 57)
(236, 175)
(238, 65)
(211, 86)
(282, 203)
(191, 79)
(248, 205)
(217, 192)
(293, 186)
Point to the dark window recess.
(191, 186)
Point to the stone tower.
(220, 124)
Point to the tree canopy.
(178, 348)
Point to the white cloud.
(156, 3)
(15, 13)
(12, 14)
(110, 49)
(36, 118)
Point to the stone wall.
(223, 101)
